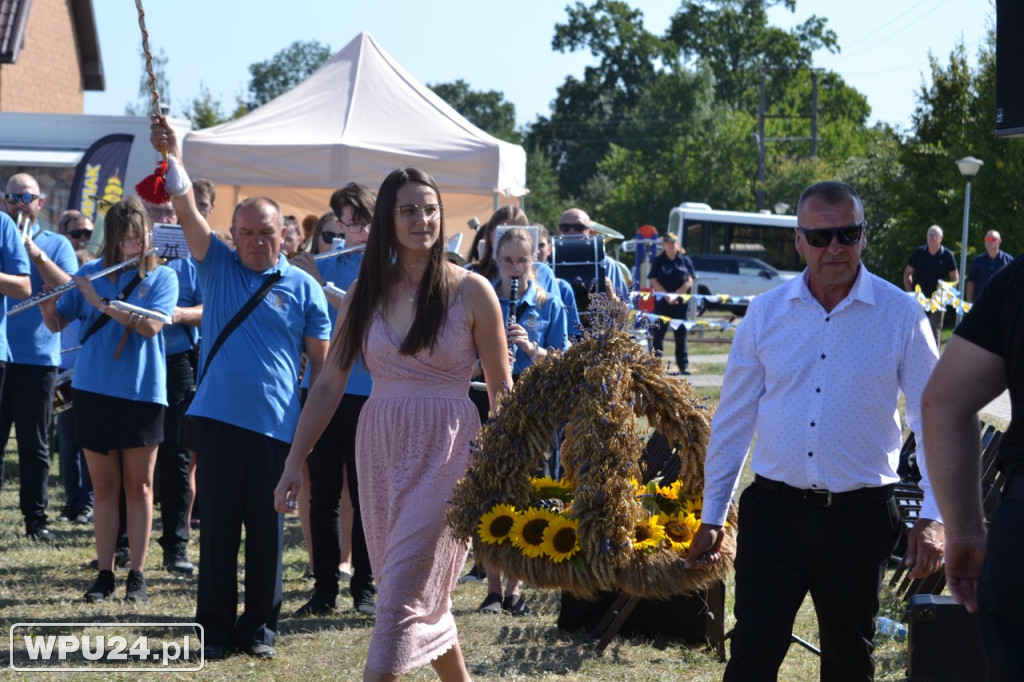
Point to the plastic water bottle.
(890, 628)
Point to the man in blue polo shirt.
(35, 351)
(246, 407)
(985, 265)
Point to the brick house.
(49, 55)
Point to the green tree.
(734, 39)
(643, 129)
(587, 112)
(285, 70)
(487, 110)
(662, 159)
(614, 32)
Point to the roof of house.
(14, 17)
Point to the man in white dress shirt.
(815, 370)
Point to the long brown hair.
(380, 270)
(127, 218)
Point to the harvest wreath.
(597, 529)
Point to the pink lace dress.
(412, 445)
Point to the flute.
(339, 252)
(63, 288)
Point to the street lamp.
(969, 167)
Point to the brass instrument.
(64, 288)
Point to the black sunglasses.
(847, 236)
(25, 198)
(78, 234)
(329, 237)
(578, 228)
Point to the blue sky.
(496, 46)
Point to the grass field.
(44, 583)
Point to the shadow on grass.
(340, 621)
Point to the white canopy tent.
(357, 118)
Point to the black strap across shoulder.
(103, 319)
(249, 306)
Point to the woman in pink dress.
(420, 323)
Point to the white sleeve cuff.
(176, 180)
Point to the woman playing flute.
(120, 386)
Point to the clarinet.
(513, 295)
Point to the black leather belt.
(1014, 489)
(826, 498)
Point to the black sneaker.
(364, 603)
(84, 514)
(516, 605)
(102, 588)
(67, 513)
(135, 587)
(317, 606)
(40, 534)
(178, 563)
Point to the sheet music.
(170, 241)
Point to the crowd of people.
(349, 386)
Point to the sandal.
(516, 605)
(492, 604)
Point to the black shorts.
(104, 423)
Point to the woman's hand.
(287, 489)
(85, 286)
(517, 335)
